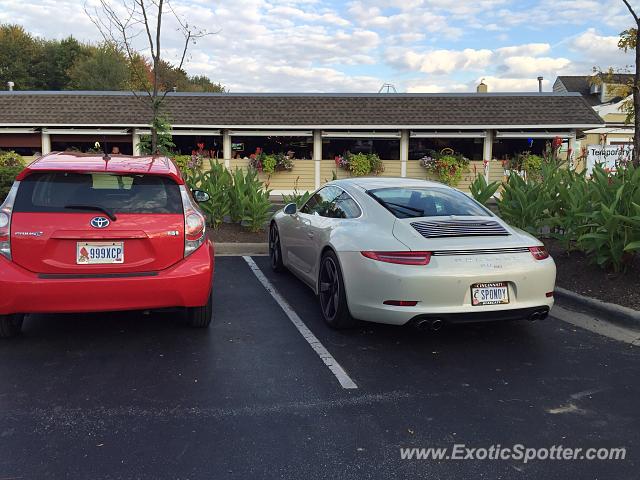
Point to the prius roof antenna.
(388, 88)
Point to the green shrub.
(524, 204)
(532, 164)
(216, 181)
(359, 164)
(269, 163)
(241, 196)
(612, 228)
(256, 208)
(182, 161)
(482, 191)
(242, 182)
(447, 166)
(10, 165)
(571, 203)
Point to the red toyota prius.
(87, 233)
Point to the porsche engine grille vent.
(459, 228)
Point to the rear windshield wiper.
(420, 212)
(98, 208)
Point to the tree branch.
(633, 13)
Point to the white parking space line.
(320, 349)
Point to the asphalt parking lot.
(129, 395)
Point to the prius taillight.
(194, 223)
(400, 258)
(5, 221)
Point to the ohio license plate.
(92, 253)
(496, 293)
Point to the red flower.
(200, 146)
(557, 141)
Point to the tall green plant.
(256, 206)
(524, 204)
(483, 191)
(612, 230)
(217, 182)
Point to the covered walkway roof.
(297, 110)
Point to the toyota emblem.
(99, 222)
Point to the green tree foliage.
(38, 64)
(104, 68)
(53, 60)
(17, 51)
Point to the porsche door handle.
(310, 234)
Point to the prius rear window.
(58, 191)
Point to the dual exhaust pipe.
(433, 324)
(538, 315)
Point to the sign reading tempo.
(609, 156)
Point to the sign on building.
(609, 156)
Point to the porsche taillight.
(5, 221)
(400, 258)
(194, 224)
(539, 253)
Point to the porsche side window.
(344, 207)
(320, 203)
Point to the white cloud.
(601, 50)
(531, 49)
(417, 86)
(523, 66)
(440, 62)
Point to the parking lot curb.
(617, 314)
(240, 249)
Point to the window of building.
(209, 145)
(385, 148)
(472, 148)
(244, 146)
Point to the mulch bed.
(575, 273)
(235, 233)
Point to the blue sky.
(356, 46)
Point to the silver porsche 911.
(394, 251)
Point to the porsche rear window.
(68, 191)
(406, 202)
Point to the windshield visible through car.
(409, 202)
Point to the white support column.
(404, 152)
(317, 155)
(571, 154)
(46, 142)
(135, 142)
(226, 148)
(487, 153)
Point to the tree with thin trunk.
(636, 86)
(123, 24)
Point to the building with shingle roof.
(400, 128)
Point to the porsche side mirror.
(290, 209)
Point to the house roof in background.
(582, 84)
(493, 110)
